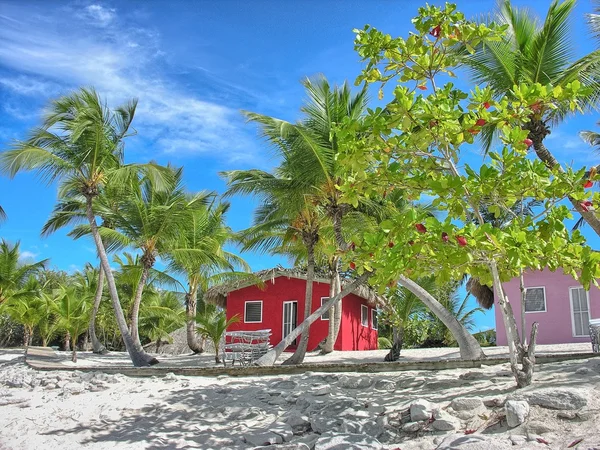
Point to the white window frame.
(587, 296)
(366, 316)
(261, 311)
(374, 316)
(545, 299)
(327, 312)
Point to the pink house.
(555, 300)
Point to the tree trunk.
(26, 337)
(337, 313)
(329, 342)
(67, 342)
(523, 298)
(190, 311)
(74, 346)
(138, 358)
(135, 309)
(271, 356)
(537, 132)
(517, 351)
(300, 352)
(397, 341)
(97, 346)
(44, 342)
(469, 347)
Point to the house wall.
(284, 289)
(556, 323)
(354, 335)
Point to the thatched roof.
(482, 293)
(218, 294)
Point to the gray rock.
(516, 412)
(323, 424)
(262, 438)
(385, 385)
(474, 442)
(74, 388)
(355, 382)
(420, 409)
(368, 427)
(444, 421)
(466, 404)
(473, 376)
(322, 390)
(494, 402)
(538, 427)
(559, 398)
(285, 385)
(518, 439)
(567, 415)
(300, 424)
(282, 429)
(347, 442)
(584, 371)
(412, 427)
(288, 446)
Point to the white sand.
(73, 410)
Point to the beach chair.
(595, 334)
(245, 347)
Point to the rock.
(355, 382)
(420, 409)
(385, 385)
(518, 440)
(262, 438)
(288, 446)
(282, 429)
(368, 427)
(516, 412)
(473, 376)
(584, 371)
(323, 424)
(347, 442)
(557, 398)
(322, 390)
(74, 388)
(466, 404)
(538, 427)
(411, 427)
(444, 421)
(494, 402)
(300, 424)
(473, 442)
(170, 377)
(285, 385)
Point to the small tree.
(212, 324)
(73, 311)
(414, 144)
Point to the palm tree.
(47, 325)
(2, 215)
(534, 51)
(72, 308)
(199, 255)
(161, 313)
(212, 324)
(14, 273)
(81, 143)
(150, 220)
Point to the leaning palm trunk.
(135, 309)
(537, 132)
(190, 310)
(270, 357)
(518, 352)
(328, 345)
(138, 357)
(468, 345)
(335, 313)
(97, 346)
(300, 352)
(397, 341)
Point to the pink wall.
(556, 323)
(283, 289)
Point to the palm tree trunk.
(97, 346)
(397, 342)
(271, 356)
(537, 132)
(67, 342)
(74, 346)
(328, 346)
(300, 352)
(26, 337)
(469, 347)
(135, 309)
(523, 299)
(138, 358)
(335, 313)
(190, 311)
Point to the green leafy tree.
(81, 144)
(161, 313)
(15, 273)
(535, 51)
(414, 145)
(26, 308)
(212, 324)
(73, 307)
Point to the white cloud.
(27, 255)
(122, 61)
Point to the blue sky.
(193, 66)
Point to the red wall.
(352, 335)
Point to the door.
(580, 311)
(290, 316)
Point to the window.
(325, 315)
(253, 311)
(364, 315)
(374, 319)
(580, 309)
(535, 299)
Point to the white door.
(580, 311)
(290, 314)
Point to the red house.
(278, 305)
